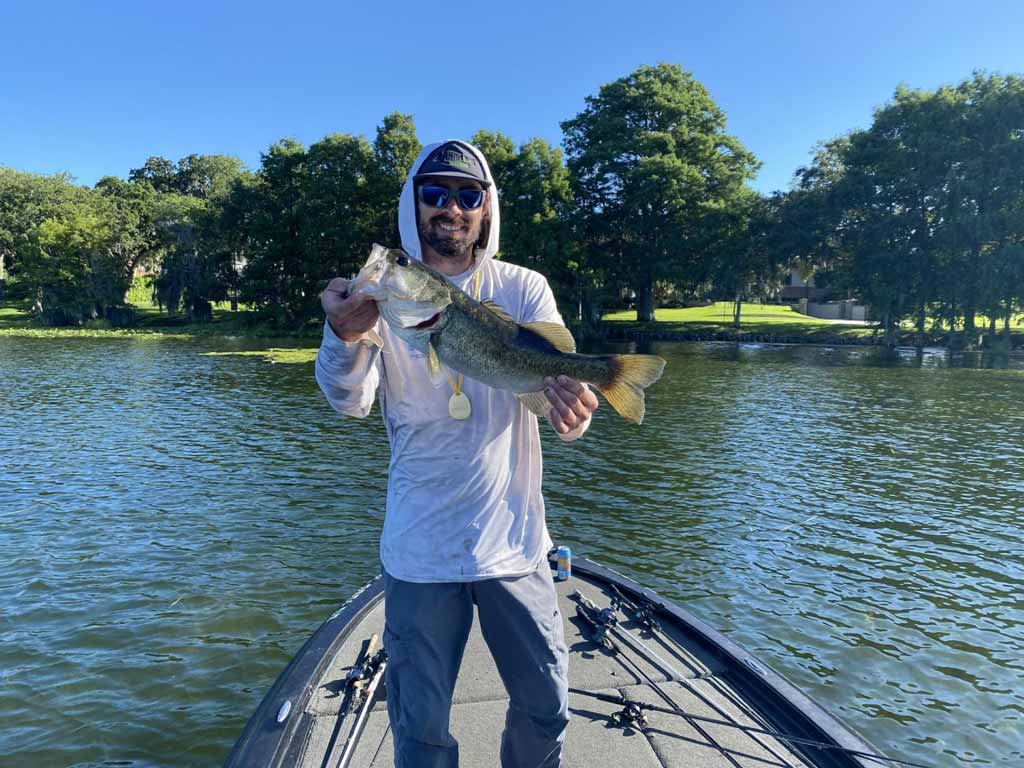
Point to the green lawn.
(754, 318)
(14, 316)
(15, 321)
(150, 320)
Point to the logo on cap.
(453, 157)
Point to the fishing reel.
(642, 611)
(601, 620)
(358, 676)
(631, 716)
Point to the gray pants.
(426, 627)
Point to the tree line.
(919, 215)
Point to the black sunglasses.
(437, 196)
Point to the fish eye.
(402, 261)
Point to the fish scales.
(498, 352)
(429, 313)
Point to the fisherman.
(464, 520)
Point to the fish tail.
(631, 374)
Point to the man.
(464, 522)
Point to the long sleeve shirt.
(464, 497)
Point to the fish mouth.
(430, 322)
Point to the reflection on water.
(175, 524)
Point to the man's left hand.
(572, 403)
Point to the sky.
(93, 89)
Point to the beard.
(449, 245)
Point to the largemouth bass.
(480, 340)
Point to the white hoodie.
(464, 497)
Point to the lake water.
(175, 524)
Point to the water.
(174, 525)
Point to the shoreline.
(16, 323)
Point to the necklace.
(459, 406)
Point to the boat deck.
(480, 702)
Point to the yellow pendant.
(458, 406)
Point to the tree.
(158, 172)
(276, 225)
(536, 209)
(208, 177)
(649, 158)
(984, 186)
(78, 264)
(746, 248)
(337, 218)
(395, 149)
(27, 200)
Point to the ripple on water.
(176, 524)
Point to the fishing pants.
(426, 627)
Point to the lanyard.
(457, 384)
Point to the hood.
(407, 207)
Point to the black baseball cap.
(453, 159)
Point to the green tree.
(746, 248)
(395, 149)
(500, 152)
(207, 176)
(984, 186)
(78, 265)
(191, 275)
(649, 158)
(27, 200)
(158, 172)
(273, 279)
(336, 218)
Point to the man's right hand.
(350, 316)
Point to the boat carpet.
(480, 703)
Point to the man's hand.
(350, 316)
(572, 403)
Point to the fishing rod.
(354, 681)
(362, 683)
(640, 705)
(606, 623)
(633, 711)
(644, 615)
(379, 662)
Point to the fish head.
(409, 295)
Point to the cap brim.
(451, 174)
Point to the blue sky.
(96, 88)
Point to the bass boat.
(651, 686)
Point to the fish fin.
(556, 333)
(537, 402)
(497, 309)
(434, 363)
(632, 374)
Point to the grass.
(15, 320)
(274, 355)
(758, 319)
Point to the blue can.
(564, 564)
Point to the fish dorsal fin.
(434, 364)
(537, 402)
(498, 310)
(559, 336)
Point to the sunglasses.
(437, 196)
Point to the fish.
(480, 340)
